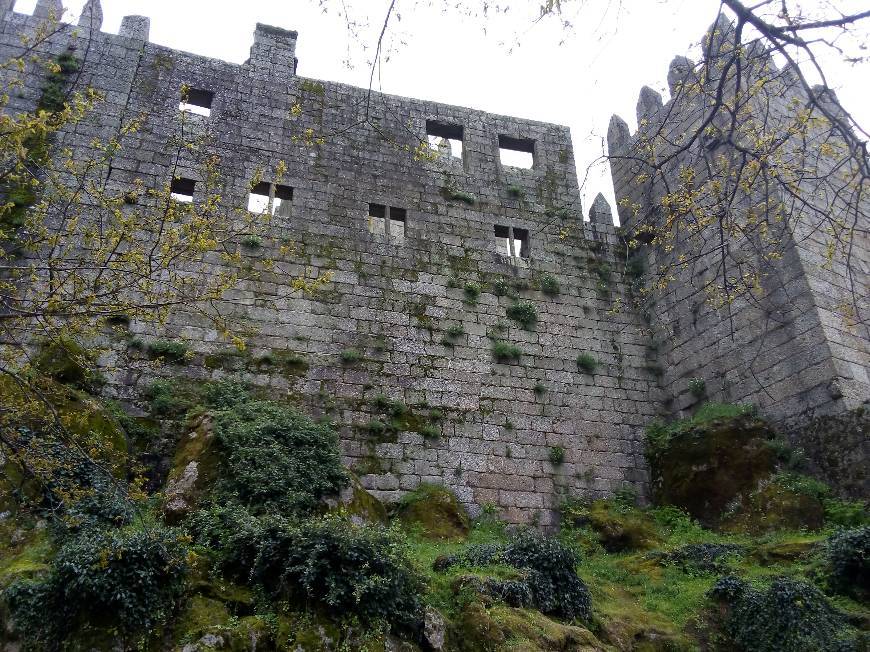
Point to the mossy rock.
(617, 528)
(194, 468)
(435, 512)
(707, 467)
(25, 553)
(776, 507)
(66, 361)
(358, 504)
(500, 628)
(784, 552)
(201, 616)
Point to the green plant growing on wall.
(549, 285)
(436, 415)
(375, 427)
(459, 195)
(501, 287)
(524, 313)
(556, 455)
(430, 431)
(168, 350)
(540, 389)
(454, 282)
(505, 352)
(252, 242)
(472, 292)
(697, 387)
(515, 191)
(587, 363)
(350, 356)
(453, 333)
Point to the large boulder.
(618, 528)
(435, 512)
(706, 467)
(194, 469)
(357, 504)
(775, 505)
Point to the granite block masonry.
(415, 347)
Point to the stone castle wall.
(799, 348)
(516, 435)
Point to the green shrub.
(459, 195)
(276, 459)
(515, 191)
(171, 351)
(552, 578)
(848, 557)
(540, 389)
(375, 427)
(549, 285)
(455, 331)
(505, 352)
(501, 287)
(347, 569)
(556, 455)
(702, 558)
(472, 291)
(252, 242)
(587, 363)
(131, 578)
(231, 534)
(524, 313)
(789, 616)
(430, 431)
(350, 356)
(697, 387)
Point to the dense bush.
(122, 578)
(789, 616)
(587, 363)
(348, 569)
(524, 313)
(232, 535)
(848, 555)
(506, 352)
(276, 459)
(552, 576)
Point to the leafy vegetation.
(505, 352)
(132, 578)
(173, 351)
(524, 313)
(549, 285)
(587, 363)
(351, 356)
(275, 459)
(788, 616)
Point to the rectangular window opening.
(198, 101)
(512, 241)
(377, 219)
(181, 190)
(516, 152)
(272, 199)
(397, 222)
(446, 139)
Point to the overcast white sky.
(578, 77)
